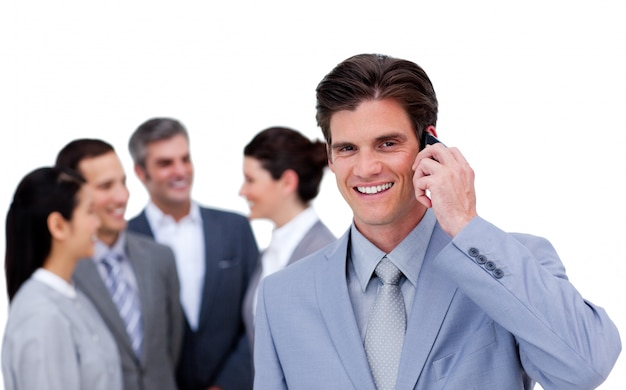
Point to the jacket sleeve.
(565, 341)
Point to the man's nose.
(367, 163)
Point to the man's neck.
(387, 237)
(108, 238)
(177, 211)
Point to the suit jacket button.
(490, 265)
(481, 259)
(473, 252)
(498, 273)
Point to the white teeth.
(179, 183)
(374, 189)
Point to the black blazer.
(218, 352)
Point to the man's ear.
(427, 137)
(432, 130)
(290, 180)
(57, 225)
(141, 173)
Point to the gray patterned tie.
(386, 327)
(125, 299)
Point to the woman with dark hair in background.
(282, 174)
(54, 338)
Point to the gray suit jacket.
(491, 311)
(158, 285)
(57, 343)
(316, 238)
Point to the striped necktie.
(125, 299)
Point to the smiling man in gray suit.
(216, 253)
(420, 292)
(147, 283)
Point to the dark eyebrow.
(394, 135)
(104, 184)
(340, 145)
(385, 137)
(164, 160)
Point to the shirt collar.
(118, 247)
(55, 282)
(287, 237)
(158, 218)
(408, 256)
(298, 225)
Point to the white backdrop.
(533, 93)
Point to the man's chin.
(179, 199)
(112, 229)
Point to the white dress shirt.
(186, 238)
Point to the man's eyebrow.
(339, 145)
(103, 183)
(391, 135)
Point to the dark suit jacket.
(218, 352)
(157, 282)
(316, 238)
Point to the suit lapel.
(434, 294)
(140, 225)
(88, 280)
(334, 301)
(212, 243)
(139, 262)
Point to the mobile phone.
(428, 139)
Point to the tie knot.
(387, 272)
(111, 260)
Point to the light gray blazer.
(159, 289)
(57, 343)
(316, 238)
(471, 327)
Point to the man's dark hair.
(375, 77)
(76, 151)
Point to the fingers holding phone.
(444, 181)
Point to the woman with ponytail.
(54, 337)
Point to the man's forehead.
(101, 168)
(168, 149)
